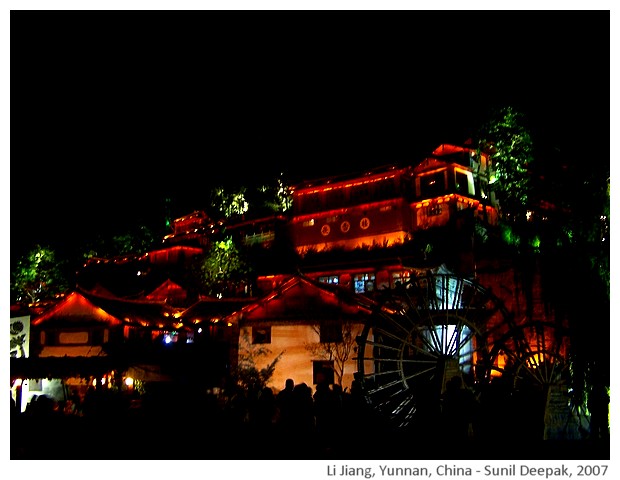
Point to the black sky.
(112, 111)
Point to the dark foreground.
(176, 437)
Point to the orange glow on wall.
(387, 239)
(500, 364)
(342, 211)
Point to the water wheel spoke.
(421, 372)
(415, 361)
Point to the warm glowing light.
(129, 381)
(18, 382)
(500, 364)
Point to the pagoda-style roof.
(301, 299)
(167, 291)
(429, 163)
(154, 314)
(211, 309)
(75, 308)
(369, 175)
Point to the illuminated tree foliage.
(278, 198)
(554, 218)
(230, 204)
(263, 200)
(38, 276)
(510, 145)
(223, 270)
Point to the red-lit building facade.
(355, 238)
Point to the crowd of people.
(294, 422)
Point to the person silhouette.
(284, 403)
(457, 409)
(265, 411)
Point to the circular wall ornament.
(365, 223)
(345, 226)
(325, 230)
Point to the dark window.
(432, 185)
(323, 371)
(261, 335)
(330, 333)
(462, 183)
(97, 337)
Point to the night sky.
(113, 111)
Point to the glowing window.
(330, 279)
(364, 282)
(76, 338)
(433, 210)
(400, 278)
(170, 337)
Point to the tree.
(276, 198)
(230, 205)
(337, 348)
(554, 217)
(262, 200)
(247, 375)
(223, 269)
(131, 242)
(509, 142)
(38, 276)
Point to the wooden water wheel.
(431, 329)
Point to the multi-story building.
(387, 277)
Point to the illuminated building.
(356, 238)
